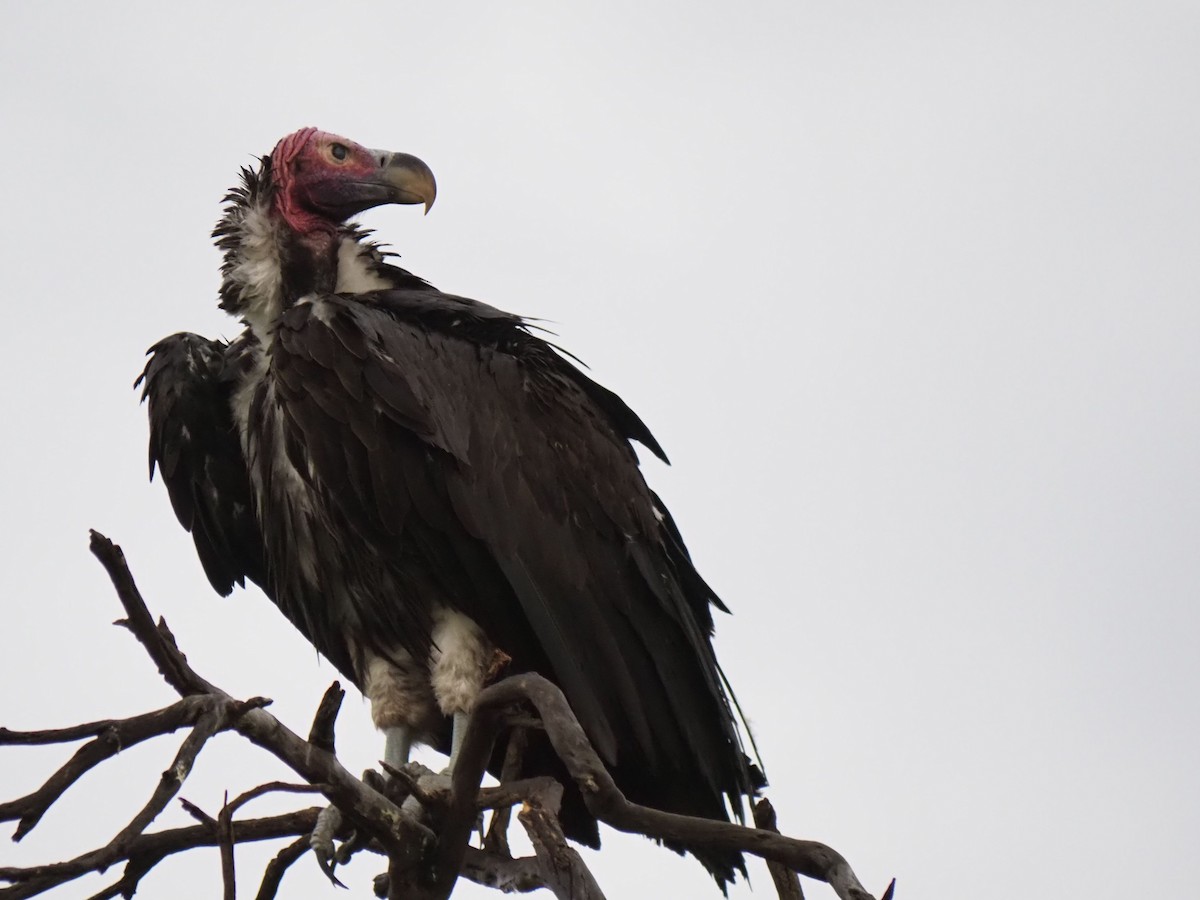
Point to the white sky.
(908, 291)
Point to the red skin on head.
(306, 157)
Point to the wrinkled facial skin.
(323, 179)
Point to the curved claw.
(329, 821)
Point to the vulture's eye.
(339, 151)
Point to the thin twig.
(86, 730)
(197, 813)
(225, 846)
(514, 754)
(225, 831)
(147, 850)
(110, 738)
(42, 877)
(155, 638)
(273, 874)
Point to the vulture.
(429, 491)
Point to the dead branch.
(273, 875)
(111, 736)
(365, 807)
(321, 733)
(787, 884)
(603, 798)
(505, 874)
(225, 832)
(422, 864)
(146, 851)
(567, 876)
(497, 836)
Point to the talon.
(346, 850)
(329, 820)
(327, 864)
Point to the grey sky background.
(908, 291)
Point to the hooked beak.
(407, 178)
(392, 178)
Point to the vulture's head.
(321, 180)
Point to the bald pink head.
(322, 179)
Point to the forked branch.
(418, 869)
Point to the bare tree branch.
(124, 731)
(111, 736)
(502, 872)
(273, 875)
(787, 884)
(604, 800)
(321, 733)
(197, 813)
(364, 806)
(423, 865)
(146, 851)
(561, 865)
(158, 641)
(497, 835)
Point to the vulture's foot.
(412, 807)
(329, 823)
(439, 782)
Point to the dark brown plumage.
(372, 458)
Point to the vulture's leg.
(409, 699)
(456, 738)
(397, 745)
(459, 665)
(402, 707)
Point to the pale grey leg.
(457, 733)
(397, 745)
(412, 805)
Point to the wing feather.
(193, 442)
(505, 459)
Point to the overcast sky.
(908, 292)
